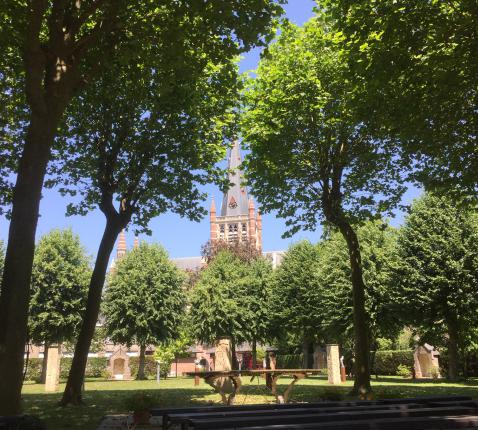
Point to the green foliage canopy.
(436, 273)
(230, 299)
(60, 279)
(144, 301)
(416, 75)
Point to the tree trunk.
(234, 362)
(360, 317)
(305, 353)
(142, 361)
(44, 364)
(254, 354)
(15, 291)
(453, 354)
(72, 392)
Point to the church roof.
(235, 200)
(188, 263)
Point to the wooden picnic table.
(216, 378)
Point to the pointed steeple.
(235, 200)
(136, 242)
(121, 250)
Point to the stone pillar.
(333, 364)
(53, 369)
(223, 354)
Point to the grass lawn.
(107, 397)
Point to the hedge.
(387, 362)
(149, 366)
(96, 367)
(289, 361)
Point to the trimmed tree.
(144, 300)
(60, 279)
(52, 50)
(230, 299)
(436, 274)
(295, 300)
(312, 159)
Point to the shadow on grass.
(98, 403)
(105, 399)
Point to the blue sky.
(182, 238)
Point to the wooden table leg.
(291, 385)
(236, 383)
(214, 382)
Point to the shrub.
(435, 372)
(404, 371)
(289, 361)
(141, 401)
(149, 367)
(332, 395)
(34, 369)
(324, 371)
(387, 362)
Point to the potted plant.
(140, 404)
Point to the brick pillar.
(252, 223)
(53, 369)
(259, 231)
(333, 364)
(212, 220)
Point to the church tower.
(238, 220)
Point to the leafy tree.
(245, 250)
(59, 288)
(295, 300)
(312, 159)
(152, 147)
(144, 301)
(230, 299)
(378, 246)
(415, 64)
(52, 50)
(436, 273)
(167, 352)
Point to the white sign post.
(158, 370)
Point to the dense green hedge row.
(289, 361)
(96, 367)
(387, 362)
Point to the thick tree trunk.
(72, 392)
(254, 354)
(360, 317)
(15, 291)
(44, 364)
(305, 354)
(453, 355)
(142, 361)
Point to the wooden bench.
(409, 423)
(325, 416)
(166, 412)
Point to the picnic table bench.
(439, 411)
(271, 376)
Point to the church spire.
(235, 200)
